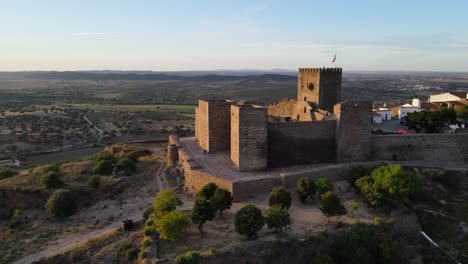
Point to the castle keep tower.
(320, 85)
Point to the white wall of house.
(385, 114)
(405, 110)
(376, 118)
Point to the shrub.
(6, 173)
(324, 185)
(207, 191)
(222, 200)
(127, 166)
(104, 155)
(51, 180)
(62, 203)
(149, 231)
(148, 211)
(54, 167)
(190, 257)
(364, 244)
(389, 184)
(171, 225)
(135, 155)
(353, 207)
(203, 211)
(279, 195)
(356, 173)
(330, 205)
(165, 202)
(94, 181)
(103, 167)
(305, 188)
(249, 220)
(128, 251)
(277, 217)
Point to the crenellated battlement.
(336, 69)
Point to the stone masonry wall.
(219, 125)
(202, 123)
(326, 90)
(214, 124)
(353, 131)
(249, 137)
(283, 108)
(301, 142)
(420, 147)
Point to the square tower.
(249, 137)
(213, 124)
(320, 85)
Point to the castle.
(248, 148)
(302, 131)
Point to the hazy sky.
(205, 35)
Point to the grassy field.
(77, 154)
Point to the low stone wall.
(301, 143)
(420, 147)
(249, 188)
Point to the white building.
(376, 118)
(406, 109)
(448, 97)
(385, 113)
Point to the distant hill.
(145, 76)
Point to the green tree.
(171, 225)
(51, 180)
(431, 121)
(389, 184)
(305, 188)
(249, 220)
(62, 203)
(207, 191)
(127, 166)
(94, 181)
(222, 200)
(202, 211)
(277, 217)
(324, 185)
(330, 205)
(281, 196)
(103, 167)
(165, 202)
(462, 112)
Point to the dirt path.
(104, 212)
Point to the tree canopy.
(431, 121)
(249, 220)
(165, 202)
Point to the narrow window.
(305, 110)
(297, 117)
(305, 98)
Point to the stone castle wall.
(301, 142)
(283, 108)
(249, 137)
(353, 141)
(420, 147)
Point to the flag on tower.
(334, 59)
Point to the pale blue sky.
(207, 35)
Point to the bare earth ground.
(105, 216)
